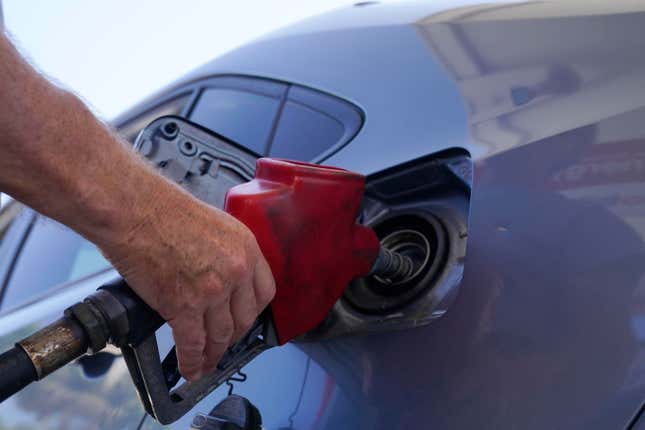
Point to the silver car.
(517, 129)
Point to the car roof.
(384, 59)
(370, 55)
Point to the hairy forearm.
(201, 269)
(57, 158)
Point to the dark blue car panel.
(548, 327)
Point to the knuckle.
(213, 286)
(191, 304)
(239, 266)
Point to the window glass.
(242, 116)
(313, 124)
(51, 255)
(304, 133)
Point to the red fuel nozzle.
(304, 219)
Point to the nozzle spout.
(393, 267)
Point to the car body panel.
(548, 328)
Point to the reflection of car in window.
(313, 125)
(50, 255)
(279, 119)
(7, 214)
(242, 109)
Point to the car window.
(243, 116)
(304, 132)
(312, 124)
(51, 255)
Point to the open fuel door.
(419, 208)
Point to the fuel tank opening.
(414, 247)
(418, 209)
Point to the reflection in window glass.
(244, 117)
(51, 255)
(8, 213)
(304, 133)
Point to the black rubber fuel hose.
(16, 372)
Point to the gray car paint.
(548, 327)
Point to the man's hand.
(201, 269)
(198, 267)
